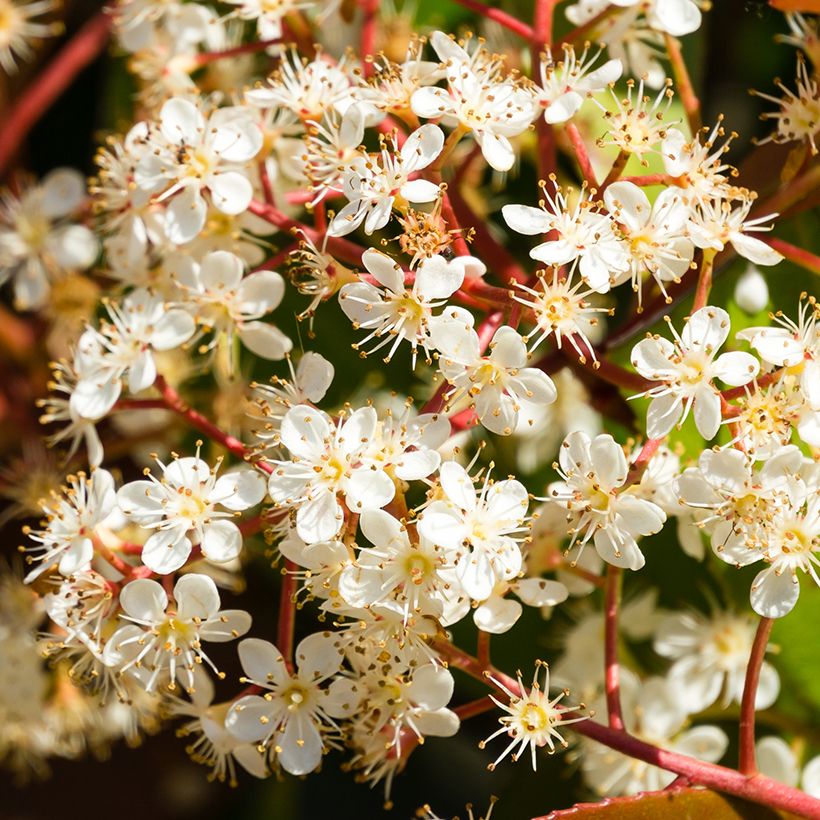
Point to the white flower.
(566, 84)
(655, 233)
(123, 347)
(182, 507)
(697, 164)
(195, 154)
(736, 503)
(396, 567)
(163, 636)
(57, 409)
(21, 30)
(296, 710)
(307, 385)
(393, 312)
(581, 233)
(561, 309)
(483, 528)
(795, 345)
(308, 89)
(718, 222)
(38, 242)
(593, 472)
(653, 713)
(532, 718)
(331, 146)
(327, 459)
(710, 656)
(227, 304)
(140, 23)
(398, 704)
(636, 124)
(213, 745)
(479, 100)
(798, 117)
(501, 388)
(71, 519)
(793, 545)
(686, 368)
(372, 184)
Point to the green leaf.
(677, 804)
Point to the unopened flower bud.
(751, 291)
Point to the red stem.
(287, 613)
(748, 764)
(35, 100)
(612, 593)
(581, 154)
(344, 249)
(173, 401)
(497, 258)
(248, 48)
(500, 17)
(799, 256)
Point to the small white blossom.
(686, 368)
(167, 637)
(181, 507)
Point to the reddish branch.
(500, 17)
(287, 613)
(35, 100)
(612, 600)
(748, 763)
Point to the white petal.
(249, 719)
(239, 490)
(776, 759)
(663, 414)
(457, 485)
(185, 216)
(166, 551)
(369, 489)
(707, 411)
(173, 329)
(301, 745)
(144, 600)
(226, 625)
(706, 329)
(541, 591)
(265, 340)
(221, 541)
(755, 250)
(231, 192)
(196, 596)
(63, 190)
(304, 432)
(431, 687)
(74, 246)
(736, 368)
(260, 293)
(497, 150)
(773, 595)
(384, 269)
(318, 656)
(525, 219)
(421, 148)
(497, 615)
(262, 661)
(319, 519)
(181, 121)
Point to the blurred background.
(732, 52)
